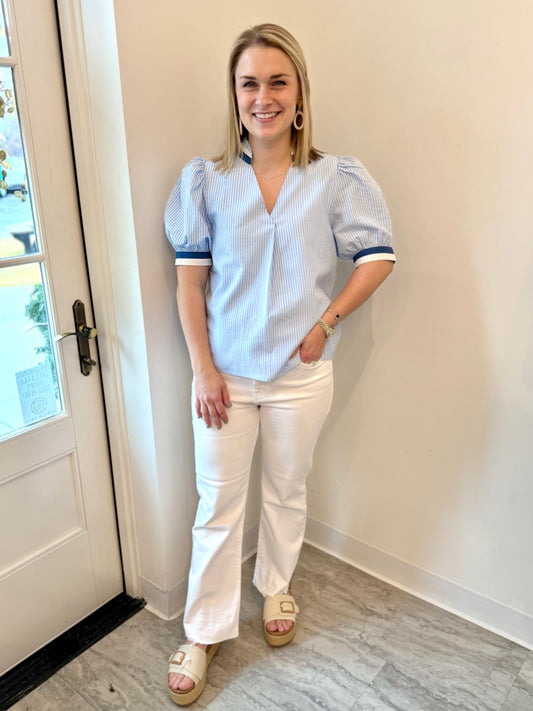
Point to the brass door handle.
(83, 334)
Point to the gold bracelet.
(337, 316)
(328, 330)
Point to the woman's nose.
(263, 94)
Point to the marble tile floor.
(361, 645)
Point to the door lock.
(84, 334)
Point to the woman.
(257, 233)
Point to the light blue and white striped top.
(271, 275)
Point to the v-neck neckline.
(246, 155)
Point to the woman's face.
(267, 91)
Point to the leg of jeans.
(291, 420)
(223, 461)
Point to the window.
(29, 384)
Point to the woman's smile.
(265, 116)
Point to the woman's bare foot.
(279, 625)
(180, 682)
(279, 615)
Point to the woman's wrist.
(331, 317)
(326, 329)
(201, 366)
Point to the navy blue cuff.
(373, 250)
(193, 255)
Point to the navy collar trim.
(246, 152)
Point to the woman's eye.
(248, 84)
(279, 82)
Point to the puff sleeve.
(187, 224)
(359, 217)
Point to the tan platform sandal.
(191, 661)
(280, 607)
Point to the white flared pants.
(288, 413)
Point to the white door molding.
(94, 94)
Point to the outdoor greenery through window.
(29, 388)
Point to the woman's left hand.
(312, 346)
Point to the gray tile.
(446, 656)
(53, 695)
(520, 697)
(518, 700)
(525, 677)
(234, 699)
(291, 679)
(316, 570)
(394, 691)
(336, 638)
(126, 669)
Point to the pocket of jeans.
(310, 366)
(311, 372)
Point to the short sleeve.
(359, 216)
(186, 221)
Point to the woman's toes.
(186, 684)
(180, 682)
(279, 625)
(174, 681)
(283, 625)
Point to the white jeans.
(289, 412)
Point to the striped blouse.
(271, 275)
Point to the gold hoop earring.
(298, 120)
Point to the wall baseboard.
(468, 604)
(166, 604)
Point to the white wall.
(422, 474)
(428, 456)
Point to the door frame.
(88, 39)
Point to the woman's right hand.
(212, 397)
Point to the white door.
(59, 553)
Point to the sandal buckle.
(178, 657)
(287, 606)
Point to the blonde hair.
(268, 35)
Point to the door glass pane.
(17, 235)
(29, 391)
(4, 48)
